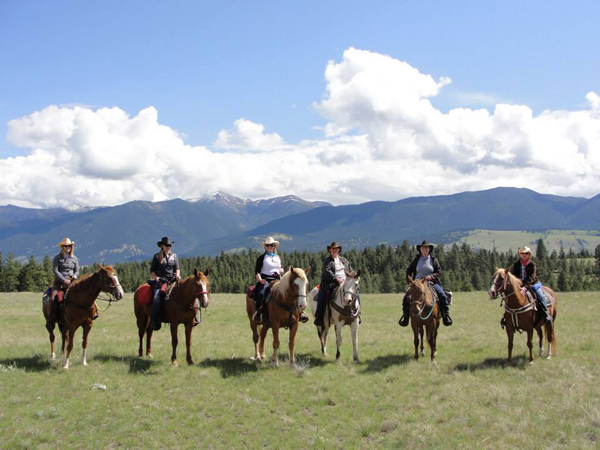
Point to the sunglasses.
(269, 245)
(167, 245)
(67, 246)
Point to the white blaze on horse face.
(301, 293)
(118, 289)
(492, 292)
(204, 296)
(350, 291)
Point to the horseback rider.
(65, 267)
(332, 275)
(267, 268)
(426, 266)
(164, 270)
(525, 270)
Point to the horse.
(345, 310)
(182, 306)
(424, 314)
(519, 313)
(77, 309)
(283, 307)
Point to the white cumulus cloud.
(384, 140)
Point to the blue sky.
(204, 65)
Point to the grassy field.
(469, 399)
(505, 240)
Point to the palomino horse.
(77, 310)
(284, 306)
(345, 310)
(519, 312)
(183, 304)
(424, 313)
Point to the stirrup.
(403, 322)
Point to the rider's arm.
(76, 268)
(437, 271)
(412, 268)
(57, 274)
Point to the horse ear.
(207, 272)
(357, 274)
(307, 270)
(196, 272)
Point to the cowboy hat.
(270, 241)
(66, 241)
(425, 244)
(165, 241)
(525, 250)
(334, 244)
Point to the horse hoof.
(531, 362)
(549, 357)
(357, 361)
(174, 364)
(149, 355)
(85, 364)
(422, 353)
(274, 364)
(190, 362)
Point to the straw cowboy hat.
(334, 244)
(270, 241)
(425, 244)
(66, 241)
(165, 241)
(525, 250)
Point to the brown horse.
(519, 312)
(77, 310)
(285, 304)
(183, 304)
(424, 313)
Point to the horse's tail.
(552, 341)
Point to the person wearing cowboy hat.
(525, 270)
(163, 270)
(267, 268)
(426, 266)
(332, 275)
(65, 266)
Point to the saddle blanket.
(144, 294)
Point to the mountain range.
(222, 222)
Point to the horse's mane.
(514, 281)
(283, 286)
(86, 276)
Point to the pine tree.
(541, 252)
(10, 281)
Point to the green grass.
(470, 398)
(505, 240)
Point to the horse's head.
(499, 283)
(201, 287)
(350, 290)
(109, 282)
(417, 290)
(299, 285)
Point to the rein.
(345, 311)
(290, 309)
(514, 312)
(424, 305)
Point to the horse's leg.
(50, 327)
(142, 324)
(292, 344)
(71, 333)
(416, 331)
(338, 338)
(530, 344)
(84, 343)
(274, 358)
(431, 340)
(188, 342)
(174, 326)
(149, 332)
(323, 336)
(422, 335)
(261, 343)
(540, 334)
(354, 332)
(510, 333)
(255, 338)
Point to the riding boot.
(403, 322)
(546, 313)
(320, 313)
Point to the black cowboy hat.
(425, 244)
(164, 241)
(334, 244)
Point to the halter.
(424, 305)
(347, 310)
(513, 312)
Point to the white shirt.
(340, 272)
(271, 265)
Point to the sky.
(102, 103)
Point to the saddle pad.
(144, 294)
(60, 295)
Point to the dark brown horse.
(77, 310)
(520, 314)
(424, 314)
(286, 303)
(185, 300)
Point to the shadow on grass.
(36, 363)
(519, 362)
(383, 362)
(136, 364)
(231, 367)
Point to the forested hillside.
(382, 269)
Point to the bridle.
(422, 304)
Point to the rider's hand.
(339, 280)
(67, 282)
(429, 278)
(524, 291)
(178, 277)
(261, 281)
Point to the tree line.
(382, 268)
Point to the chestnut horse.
(424, 313)
(344, 310)
(77, 310)
(519, 313)
(283, 308)
(183, 304)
